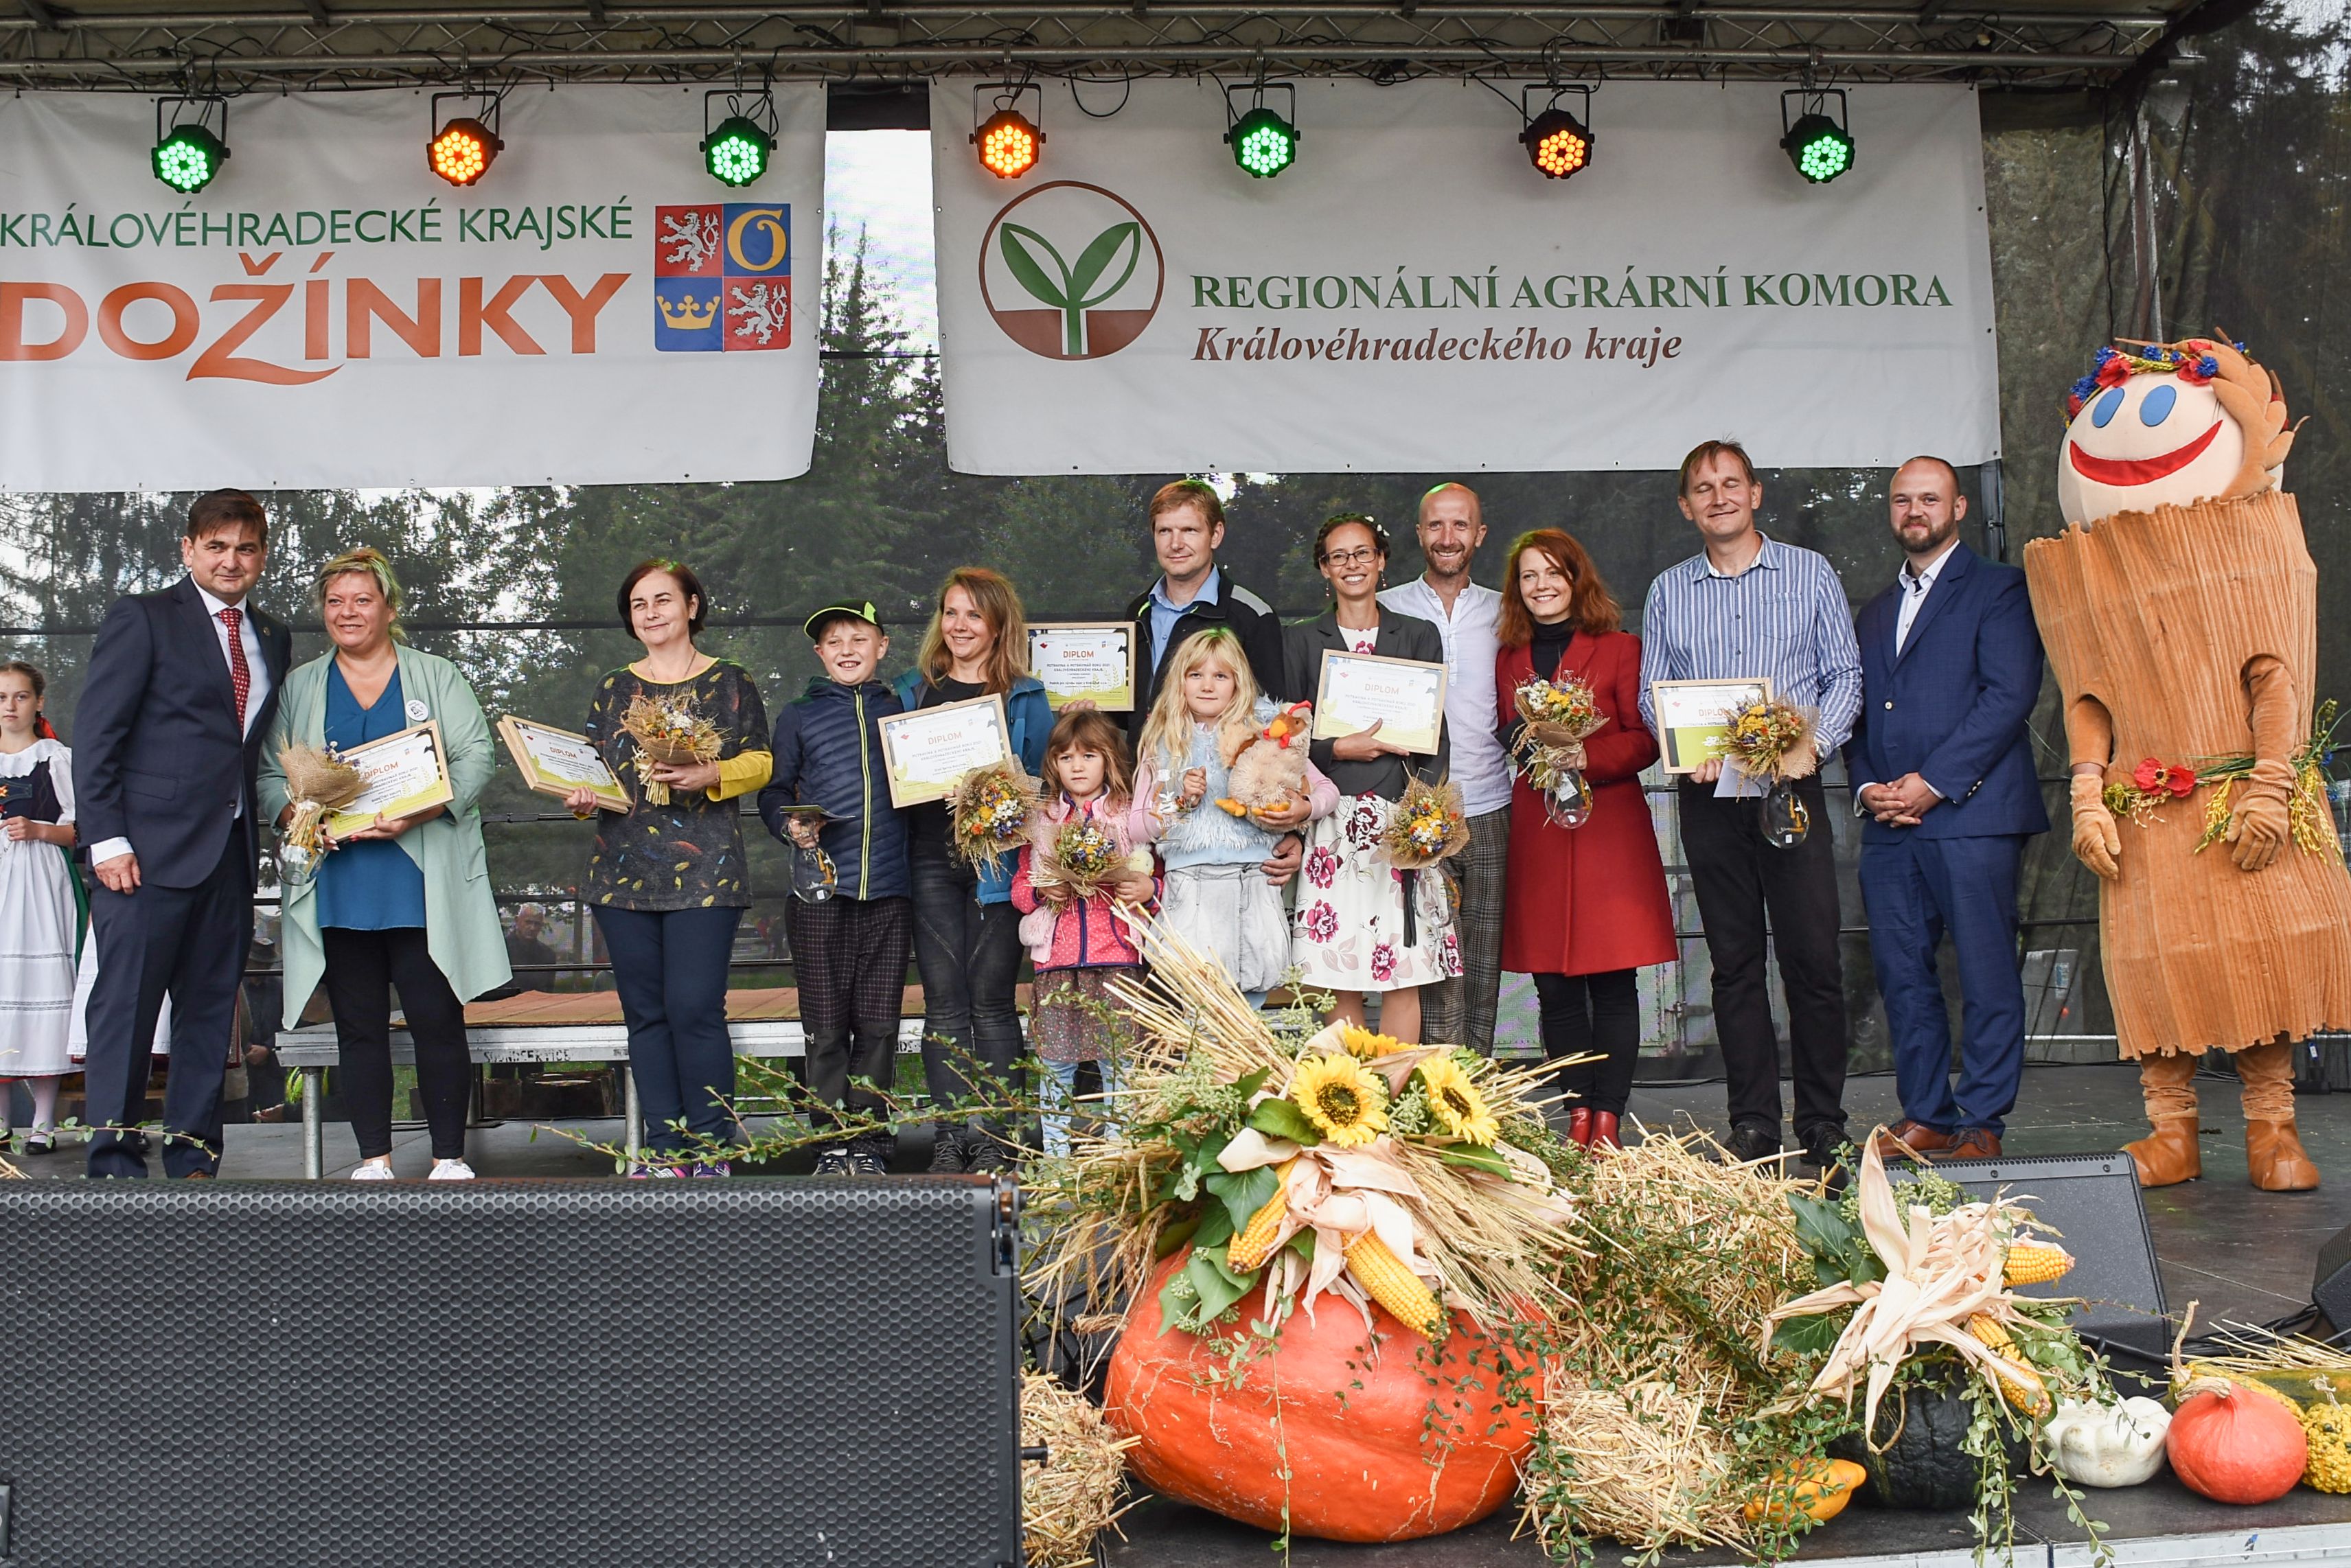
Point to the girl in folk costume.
(1077, 938)
(2181, 610)
(41, 902)
(1584, 908)
(1212, 846)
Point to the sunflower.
(1341, 1097)
(1365, 1046)
(1455, 1103)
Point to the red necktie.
(240, 674)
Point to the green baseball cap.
(861, 609)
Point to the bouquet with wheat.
(1430, 824)
(670, 730)
(318, 780)
(990, 808)
(1555, 719)
(1078, 861)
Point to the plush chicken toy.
(1268, 770)
(2179, 607)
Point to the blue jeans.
(1916, 889)
(1061, 1096)
(670, 968)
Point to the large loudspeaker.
(2094, 1200)
(2330, 1287)
(568, 1373)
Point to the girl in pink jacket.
(1079, 946)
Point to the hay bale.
(1076, 1494)
(1644, 1465)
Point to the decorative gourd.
(1384, 1441)
(2120, 1444)
(2233, 1445)
(1822, 1493)
(1923, 1465)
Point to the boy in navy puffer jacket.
(849, 951)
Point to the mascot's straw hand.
(2262, 824)
(2098, 842)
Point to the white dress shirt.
(1472, 633)
(257, 688)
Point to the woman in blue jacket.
(967, 933)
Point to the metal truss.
(312, 43)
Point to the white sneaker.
(373, 1170)
(450, 1170)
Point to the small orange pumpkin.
(2233, 1444)
(1386, 1436)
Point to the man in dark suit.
(1942, 762)
(167, 736)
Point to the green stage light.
(189, 157)
(1819, 148)
(1263, 143)
(736, 153)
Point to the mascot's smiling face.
(2155, 439)
(2170, 424)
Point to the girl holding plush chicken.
(1069, 885)
(1233, 778)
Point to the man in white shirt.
(1451, 528)
(181, 689)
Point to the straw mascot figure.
(2181, 611)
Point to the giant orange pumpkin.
(1386, 1436)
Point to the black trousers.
(1739, 879)
(1592, 1013)
(362, 967)
(849, 955)
(188, 943)
(970, 954)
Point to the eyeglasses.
(1363, 555)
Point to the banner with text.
(1413, 296)
(327, 312)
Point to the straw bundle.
(10, 1173)
(1647, 1464)
(670, 730)
(316, 781)
(1070, 1500)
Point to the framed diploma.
(1406, 698)
(404, 774)
(1088, 661)
(557, 761)
(926, 752)
(1693, 717)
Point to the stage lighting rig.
(1558, 143)
(192, 152)
(736, 153)
(1820, 147)
(1264, 142)
(1009, 142)
(463, 149)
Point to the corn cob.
(2034, 1263)
(1252, 1247)
(1990, 1331)
(2021, 1386)
(1387, 1281)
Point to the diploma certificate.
(1694, 717)
(1405, 697)
(557, 761)
(1084, 661)
(403, 774)
(927, 752)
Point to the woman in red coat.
(1583, 907)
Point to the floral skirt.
(1350, 932)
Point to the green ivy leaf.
(1252, 1083)
(1282, 1119)
(1471, 1157)
(1244, 1192)
(1810, 1335)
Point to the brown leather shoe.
(2169, 1156)
(1909, 1140)
(1972, 1144)
(2276, 1159)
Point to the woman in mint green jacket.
(404, 901)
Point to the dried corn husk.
(1070, 1500)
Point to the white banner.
(1412, 295)
(327, 312)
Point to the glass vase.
(1786, 817)
(814, 877)
(1568, 803)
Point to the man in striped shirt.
(1748, 607)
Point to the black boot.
(950, 1152)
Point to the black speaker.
(521, 1373)
(2330, 1286)
(2094, 1202)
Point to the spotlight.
(1263, 141)
(1558, 143)
(736, 153)
(1009, 140)
(1819, 146)
(462, 150)
(192, 154)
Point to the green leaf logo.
(1072, 290)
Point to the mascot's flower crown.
(2192, 361)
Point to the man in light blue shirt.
(1745, 607)
(1461, 1011)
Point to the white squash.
(2108, 1445)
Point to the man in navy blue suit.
(166, 739)
(1942, 762)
